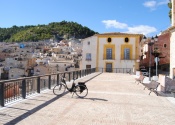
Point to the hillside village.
(38, 58)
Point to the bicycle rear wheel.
(59, 89)
(79, 92)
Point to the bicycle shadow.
(94, 99)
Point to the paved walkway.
(113, 99)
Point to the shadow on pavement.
(30, 112)
(94, 99)
(166, 94)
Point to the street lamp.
(153, 40)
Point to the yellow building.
(112, 52)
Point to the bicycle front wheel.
(59, 89)
(81, 91)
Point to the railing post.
(57, 79)
(23, 88)
(2, 94)
(80, 73)
(73, 75)
(49, 80)
(69, 76)
(77, 74)
(38, 85)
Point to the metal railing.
(21, 88)
(116, 70)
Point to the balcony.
(88, 59)
(108, 58)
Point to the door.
(108, 67)
(88, 66)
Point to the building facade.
(172, 42)
(172, 53)
(160, 49)
(112, 52)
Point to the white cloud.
(150, 4)
(141, 29)
(164, 2)
(153, 4)
(114, 24)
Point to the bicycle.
(80, 89)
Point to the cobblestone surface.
(113, 99)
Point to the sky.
(148, 17)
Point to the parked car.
(144, 72)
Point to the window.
(164, 45)
(109, 53)
(126, 40)
(88, 56)
(109, 40)
(126, 53)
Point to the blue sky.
(148, 17)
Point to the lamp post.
(153, 40)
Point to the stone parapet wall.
(166, 83)
(161, 80)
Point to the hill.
(54, 30)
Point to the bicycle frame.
(64, 82)
(80, 89)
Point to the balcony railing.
(88, 59)
(21, 88)
(108, 58)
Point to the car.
(144, 72)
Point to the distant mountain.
(54, 30)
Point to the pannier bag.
(82, 87)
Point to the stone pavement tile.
(113, 99)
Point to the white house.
(112, 52)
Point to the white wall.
(92, 48)
(16, 73)
(172, 53)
